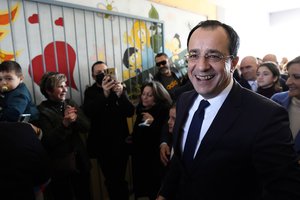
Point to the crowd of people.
(180, 149)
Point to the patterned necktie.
(193, 134)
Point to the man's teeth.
(208, 77)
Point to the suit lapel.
(223, 121)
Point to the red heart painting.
(58, 49)
(59, 22)
(33, 19)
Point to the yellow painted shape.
(3, 33)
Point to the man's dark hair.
(161, 54)
(234, 39)
(96, 63)
(10, 65)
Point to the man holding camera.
(107, 106)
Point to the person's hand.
(107, 85)
(118, 88)
(160, 198)
(164, 153)
(148, 117)
(37, 130)
(70, 115)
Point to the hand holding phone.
(24, 118)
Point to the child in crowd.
(15, 98)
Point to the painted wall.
(44, 37)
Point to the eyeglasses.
(164, 62)
(210, 57)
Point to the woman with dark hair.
(151, 115)
(268, 76)
(62, 121)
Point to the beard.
(163, 70)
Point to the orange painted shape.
(4, 16)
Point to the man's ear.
(234, 63)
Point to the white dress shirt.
(210, 113)
(253, 85)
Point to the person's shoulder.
(186, 96)
(280, 95)
(13, 127)
(259, 102)
(71, 102)
(91, 88)
(43, 105)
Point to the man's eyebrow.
(213, 51)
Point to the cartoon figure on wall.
(176, 54)
(133, 63)
(172, 48)
(140, 38)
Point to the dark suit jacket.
(247, 153)
(244, 83)
(23, 161)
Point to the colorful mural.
(48, 37)
(6, 18)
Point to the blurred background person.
(107, 106)
(282, 67)
(167, 74)
(166, 137)
(248, 68)
(151, 115)
(268, 79)
(283, 77)
(291, 99)
(24, 161)
(62, 122)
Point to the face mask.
(99, 78)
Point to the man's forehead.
(209, 40)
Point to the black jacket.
(108, 117)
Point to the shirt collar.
(220, 98)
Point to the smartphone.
(111, 72)
(24, 118)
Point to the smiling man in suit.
(233, 159)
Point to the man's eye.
(212, 56)
(194, 56)
(296, 76)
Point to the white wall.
(263, 31)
